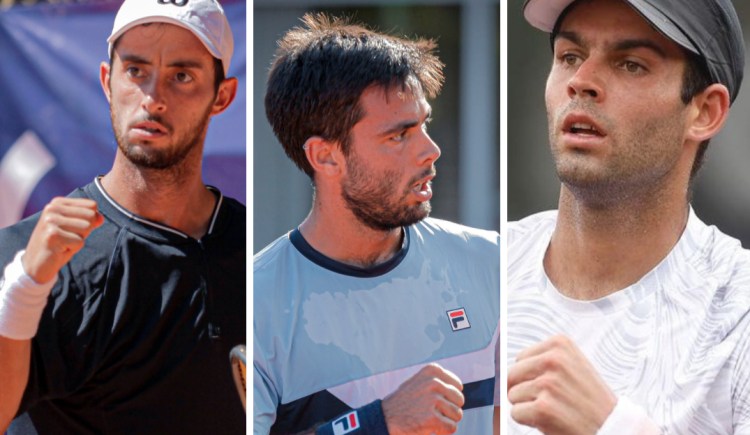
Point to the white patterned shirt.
(675, 343)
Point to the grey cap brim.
(544, 14)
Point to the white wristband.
(628, 419)
(22, 301)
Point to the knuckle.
(515, 414)
(432, 369)
(53, 233)
(545, 382)
(560, 341)
(49, 219)
(461, 400)
(549, 362)
(449, 427)
(542, 409)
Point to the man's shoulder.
(531, 226)
(270, 253)
(451, 232)
(456, 242)
(717, 256)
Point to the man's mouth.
(422, 188)
(582, 126)
(585, 129)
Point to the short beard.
(375, 202)
(645, 158)
(169, 158)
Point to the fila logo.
(346, 423)
(458, 318)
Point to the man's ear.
(324, 156)
(709, 111)
(104, 73)
(224, 96)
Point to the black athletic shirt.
(136, 335)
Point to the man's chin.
(410, 216)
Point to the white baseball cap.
(205, 18)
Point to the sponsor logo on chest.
(459, 319)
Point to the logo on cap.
(174, 2)
(345, 424)
(458, 318)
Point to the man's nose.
(588, 81)
(429, 151)
(153, 96)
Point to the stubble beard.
(169, 159)
(375, 201)
(640, 158)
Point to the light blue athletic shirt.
(329, 337)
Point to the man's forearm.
(15, 359)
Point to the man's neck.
(336, 233)
(176, 198)
(596, 251)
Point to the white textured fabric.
(22, 301)
(628, 419)
(675, 343)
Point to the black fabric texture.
(136, 334)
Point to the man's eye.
(183, 77)
(633, 67)
(399, 137)
(570, 59)
(133, 71)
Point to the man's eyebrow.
(630, 44)
(134, 58)
(624, 45)
(405, 125)
(186, 64)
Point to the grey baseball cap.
(708, 28)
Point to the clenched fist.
(427, 403)
(554, 388)
(59, 235)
